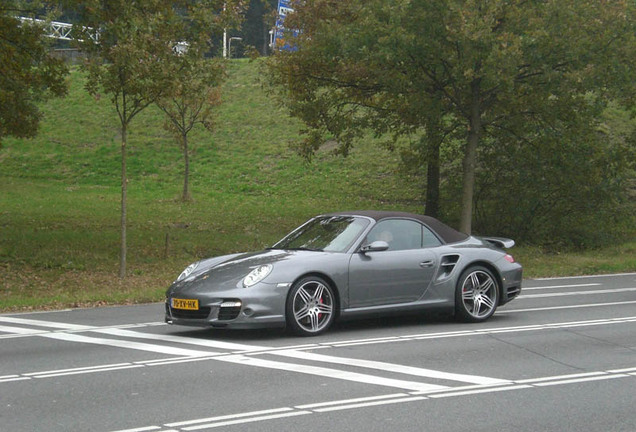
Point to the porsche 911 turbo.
(346, 265)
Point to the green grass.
(60, 198)
(615, 259)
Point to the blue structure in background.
(278, 42)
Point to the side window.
(400, 234)
(429, 239)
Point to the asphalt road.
(560, 358)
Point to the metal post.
(230, 44)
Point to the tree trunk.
(468, 187)
(186, 175)
(432, 176)
(469, 162)
(124, 187)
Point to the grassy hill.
(60, 197)
(61, 193)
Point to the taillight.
(509, 258)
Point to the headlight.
(257, 275)
(184, 274)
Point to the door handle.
(428, 263)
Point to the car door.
(400, 274)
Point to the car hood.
(231, 269)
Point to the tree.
(259, 20)
(537, 202)
(28, 73)
(134, 56)
(485, 66)
(190, 101)
(126, 64)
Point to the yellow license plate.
(185, 304)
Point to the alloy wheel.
(312, 306)
(479, 294)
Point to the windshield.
(326, 233)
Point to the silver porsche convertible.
(346, 265)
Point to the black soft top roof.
(446, 233)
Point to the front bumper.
(221, 317)
(260, 306)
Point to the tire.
(311, 306)
(476, 295)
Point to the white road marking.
(229, 417)
(246, 420)
(585, 277)
(11, 379)
(380, 400)
(141, 429)
(560, 286)
(352, 401)
(178, 360)
(161, 349)
(422, 393)
(622, 370)
(79, 369)
(313, 370)
(479, 391)
(370, 404)
(561, 377)
(549, 326)
(46, 324)
(21, 331)
(86, 371)
(330, 373)
(226, 420)
(185, 355)
(575, 293)
(538, 309)
(581, 380)
(182, 340)
(390, 367)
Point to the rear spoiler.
(500, 242)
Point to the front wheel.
(310, 306)
(477, 295)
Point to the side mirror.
(376, 246)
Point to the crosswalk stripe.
(250, 361)
(182, 340)
(330, 373)
(20, 331)
(259, 362)
(74, 337)
(391, 367)
(46, 324)
(245, 355)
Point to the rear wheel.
(310, 306)
(476, 295)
